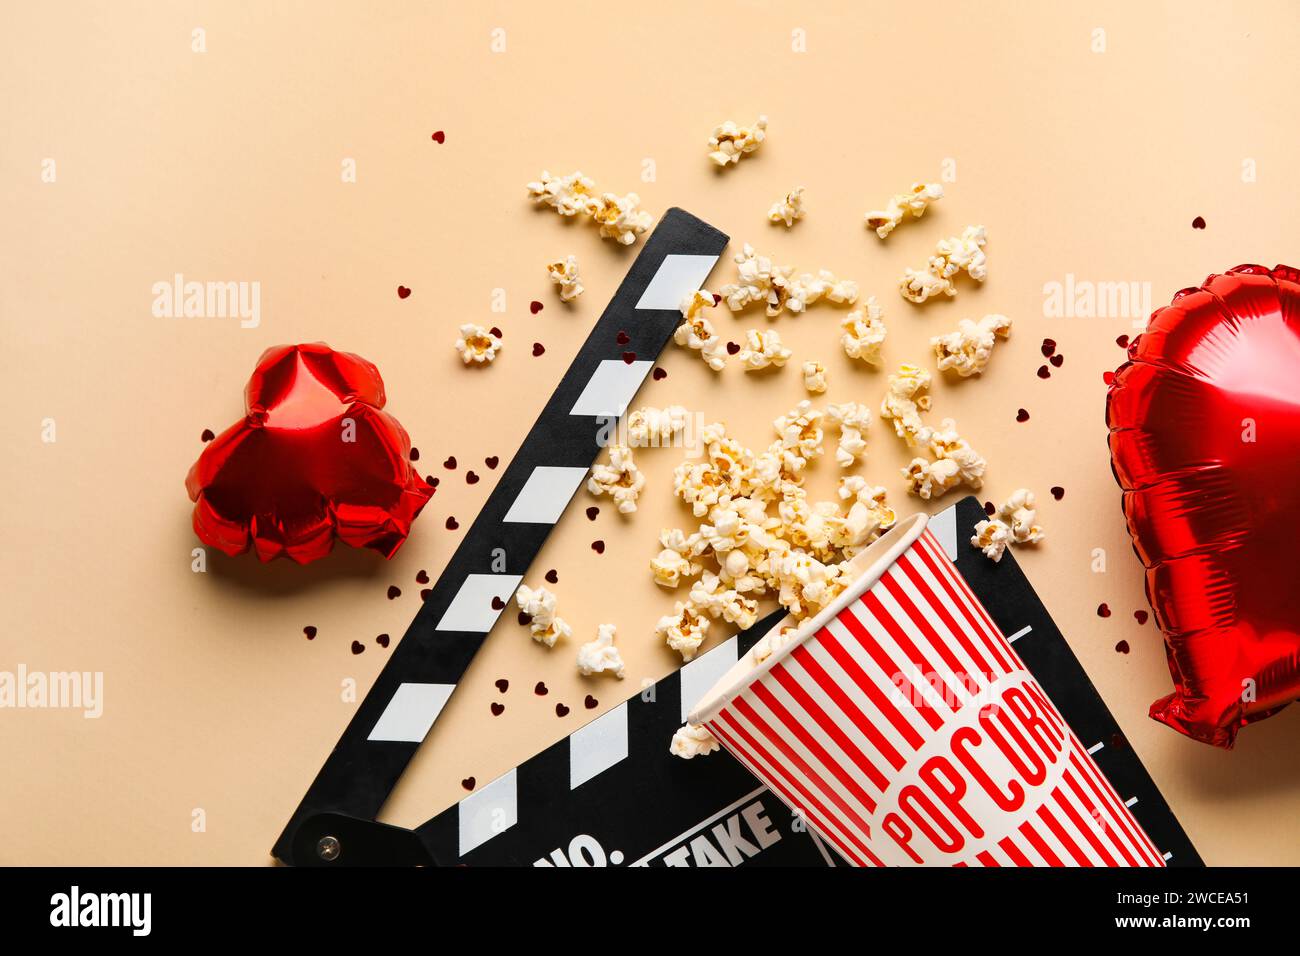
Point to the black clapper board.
(610, 794)
(335, 822)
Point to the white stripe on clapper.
(489, 812)
(676, 278)
(610, 388)
(411, 712)
(597, 746)
(1095, 747)
(1012, 638)
(699, 676)
(471, 610)
(944, 527)
(545, 494)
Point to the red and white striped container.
(904, 729)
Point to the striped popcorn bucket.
(905, 731)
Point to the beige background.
(225, 165)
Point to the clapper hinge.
(336, 839)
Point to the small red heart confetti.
(492, 461)
(440, 137)
(1122, 341)
(424, 594)
(534, 307)
(622, 338)
(394, 591)
(497, 332)
(598, 547)
(1103, 610)
(659, 374)
(1058, 492)
(310, 632)
(452, 524)
(357, 647)
(552, 577)
(990, 508)
(498, 604)
(540, 690)
(733, 348)
(471, 478)
(207, 435)
(422, 577)
(1049, 346)
(498, 709)
(590, 702)
(525, 619)
(1140, 616)
(503, 685)
(1122, 647)
(415, 453)
(1198, 223)
(629, 357)
(1044, 372)
(468, 783)
(382, 640)
(403, 292)
(431, 480)
(592, 512)
(1057, 360)
(450, 463)
(1108, 377)
(1117, 741)
(716, 298)
(561, 710)
(1022, 415)
(538, 349)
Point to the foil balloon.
(1205, 441)
(315, 457)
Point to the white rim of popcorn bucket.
(878, 558)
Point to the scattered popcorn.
(864, 333)
(696, 332)
(772, 642)
(760, 535)
(620, 479)
(692, 740)
(564, 273)
(567, 195)
(759, 280)
(1013, 524)
(539, 607)
(852, 419)
(600, 655)
(729, 142)
(967, 350)
(655, 427)
(617, 216)
(884, 221)
(814, 377)
(902, 404)
(964, 253)
(955, 463)
(763, 349)
(477, 345)
(684, 630)
(788, 210)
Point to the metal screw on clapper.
(329, 848)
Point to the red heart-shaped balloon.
(1205, 441)
(315, 457)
